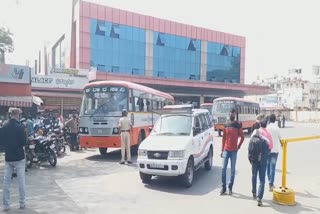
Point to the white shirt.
(274, 130)
(124, 123)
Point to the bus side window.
(148, 102)
(131, 106)
(137, 102)
(155, 105)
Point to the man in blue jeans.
(230, 146)
(274, 131)
(263, 140)
(14, 139)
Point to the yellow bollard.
(283, 195)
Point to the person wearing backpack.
(230, 147)
(274, 130)
(260, 145)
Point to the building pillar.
(203, 68)
(149, 54)
(201, 99)
(61, 112)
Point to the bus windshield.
(104, 101)
(164, 125)
(223, 106)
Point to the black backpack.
(255, 148)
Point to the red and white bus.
(207, 106)
(246, 112)
(101, 109)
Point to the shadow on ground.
(204, 183)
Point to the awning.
(16, 101)
(37, 100)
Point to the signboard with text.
(66, 81)
(14, 74)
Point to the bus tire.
(103, 151)
(141, 137)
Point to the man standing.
(14, 140)
(274, 130)
(124, 128)
(230, 146)
(73, 124)
(259, 148)
(29, 125)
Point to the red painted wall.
(12, 89)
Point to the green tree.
(6, 43)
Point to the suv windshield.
(173, 125)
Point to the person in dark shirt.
(230, 147)
(14, 139)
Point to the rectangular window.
(135, 71)
(115, 31)
(161, 39)
(115, 69)
(100, 28)
(101, 67)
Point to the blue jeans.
(271, 167)
(261, 169)
(8, 169)
(233, 159)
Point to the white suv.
(181, 141)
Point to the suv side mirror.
(150, 129)
(196, 131)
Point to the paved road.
(85, 182)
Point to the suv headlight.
(142, 152)
(177, 154)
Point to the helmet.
(124, 112)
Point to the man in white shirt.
(274, 130)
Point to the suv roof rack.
(176, 109)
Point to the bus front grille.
(100, 131)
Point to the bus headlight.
(177, 154)
(84, 130)
(142, 153)
(115, 131)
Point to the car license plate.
(99, 142)
(157, 166)
(52, 146)
(32, 146)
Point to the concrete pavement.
(85, 182)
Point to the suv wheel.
(145, 178)
(103, 151)
(208, 163)
(187, 177)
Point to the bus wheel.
(136, 147)
(219, 133)
(103, 151)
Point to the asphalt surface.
(86, 182)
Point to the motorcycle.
(39, 149)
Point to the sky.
(280, 35)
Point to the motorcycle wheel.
(52, 157)
(63, 149)
(29, 160)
